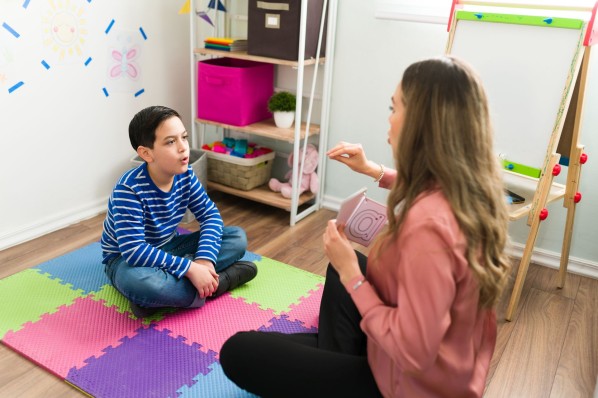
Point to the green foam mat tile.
(19, 303)
(112, 298)
(268, 292)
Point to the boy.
(146, 260)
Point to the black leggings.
(330, 363)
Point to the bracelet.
(359, 283)
(381, 173)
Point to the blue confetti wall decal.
(10, 29)
(16, 86)
(109, 26)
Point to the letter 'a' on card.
(362, 217)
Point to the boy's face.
(170, 155)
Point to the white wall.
(63, 143)
(371, 55)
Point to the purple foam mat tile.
(214, 385)
(282, 324)
(150, 364)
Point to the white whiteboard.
(525, 70)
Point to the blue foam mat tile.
(82, 268)
(214, 385)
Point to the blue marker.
(138, 93)
(105, 91)
(548, 21)
(88, 61)
(142, 33)
(45, 64)
(479, 16)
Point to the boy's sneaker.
(236, 275)
(142, 312)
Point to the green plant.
(282, 101)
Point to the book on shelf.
(362, 217)
(225, 43)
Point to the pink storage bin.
(234, 91)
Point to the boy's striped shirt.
(142, 218)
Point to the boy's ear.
(145, 153)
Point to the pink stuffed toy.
(308, 181)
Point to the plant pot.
(284, 120)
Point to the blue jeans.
(153, 287)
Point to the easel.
(564, 141)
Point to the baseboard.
(542, 257)
(552, 259)
(53, 223)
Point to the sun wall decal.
(64, 28)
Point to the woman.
(421, 321)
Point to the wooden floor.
(550, 349)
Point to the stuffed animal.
(308, 181)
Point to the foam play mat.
(66, 317)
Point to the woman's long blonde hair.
(447, 139)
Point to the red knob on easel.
(583, 158)
(556, 170)
(577, 197)
(543, 214)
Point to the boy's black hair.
(142, 128)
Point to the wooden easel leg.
(522, 271)
(566, 246)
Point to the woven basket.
(240, 173)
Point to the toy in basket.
(238, 163)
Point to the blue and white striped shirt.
(142, 218)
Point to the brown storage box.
(273, 29)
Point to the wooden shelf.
(262, 194)
(267, 128)
(244, 55)
(526, 187)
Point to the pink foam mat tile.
(64, 339)
(308, 309)
(211, 325)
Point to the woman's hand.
(354, 157)
(340, 252)
(203, 276)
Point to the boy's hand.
(203, 276)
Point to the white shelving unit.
(296, 136)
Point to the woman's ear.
(145, 153)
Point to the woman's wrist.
(354, 283)
(372, 170)
(380, 173)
